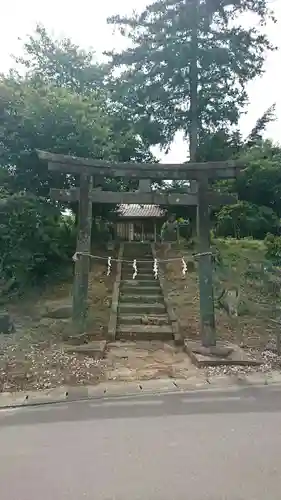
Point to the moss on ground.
(241, 263)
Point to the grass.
(243, 264)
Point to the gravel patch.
(40, 368)
(33, 358)
(271, 362)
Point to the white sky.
(85, 23)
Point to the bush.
(273, 248)
(244, 220)
(185, 228)
(35, 240)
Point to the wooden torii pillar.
(86, 195)
(82, 260)
(205, 268)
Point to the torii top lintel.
(181, 171)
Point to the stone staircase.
(142, 314)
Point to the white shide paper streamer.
(135, 269)
(108, 266)
(184, 267)
(155, 268)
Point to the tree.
(155, 83)
(35, 240)
(256, 135)
(260, 181)
(61, 63)
(245, 219)
(227, 143)
(50, 118)
(58, 120)
(61, 105)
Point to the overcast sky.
(85, 23)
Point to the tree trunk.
(193, 79)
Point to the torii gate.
(85, 194)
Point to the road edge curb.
(138, 388)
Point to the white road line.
(212, 399)
(44, 408)
(127, 403)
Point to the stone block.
(234, 355)
(76, 340)
(58, 311)
(6, 324)
(94, 349)
(219, 351)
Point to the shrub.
(35, 239)
(245, 219)
(185, 228)
(273, 248)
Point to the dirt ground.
(128, 361)
(34, 357)
(242, 265)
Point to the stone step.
(129, 281)
(138, 307)
(135, 297)
(140, 276)
(140, 283)
(143, 268)
(95, 349)
(143, 319)
(141, 272)
(140, 290)
(141, 332)
(140, 265)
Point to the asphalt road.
(197, 446)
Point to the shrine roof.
(140, 211)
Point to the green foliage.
(59, 105)
(58, 120)
(219, 146)
(61, 63)
(35, 240)
(260, 181)
(273, 248)
(156, 82)
(224, 144)
(256, 133)
(185, 228)
(50, 118)
(68, 103)
(244, 219)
